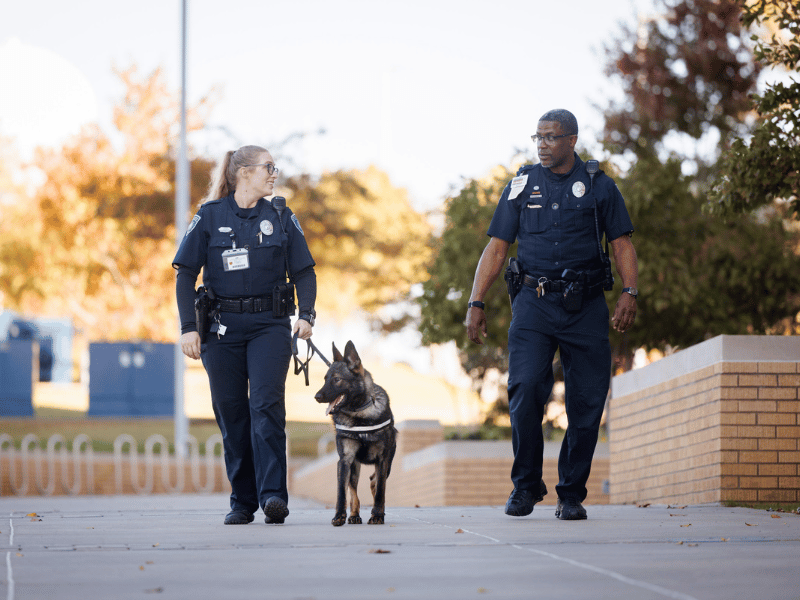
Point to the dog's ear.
(337, 356)
(352, 358)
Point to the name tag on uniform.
(517, 185)
(237, 259)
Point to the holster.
(283, 303)
(574, 290)
(514, 277)
(203, 306)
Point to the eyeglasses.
(548, 139)
(270, 168)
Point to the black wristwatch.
(311, 317)
(632, 291)
(477, 304)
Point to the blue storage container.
(16, 378)
(131, 379)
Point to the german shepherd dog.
(365, 432)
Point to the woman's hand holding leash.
(303, 329)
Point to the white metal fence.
(57, 466)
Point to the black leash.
(299, 365)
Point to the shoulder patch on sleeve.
(297, 224)
(193, 224)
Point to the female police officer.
(244, 245)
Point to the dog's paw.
(354, 520)
(338, 520)
(376, 520)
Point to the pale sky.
(431, 91)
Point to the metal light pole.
(181, 208)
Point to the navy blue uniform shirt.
(204, 244)
(552, 216)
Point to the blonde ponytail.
(225, 176)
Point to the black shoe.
(570, 509)
(520, 502)
(238, 517)
(276, 511)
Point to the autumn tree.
(686, 70)
(369, 244)
(756, 171)
(96, 241)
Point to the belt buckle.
(247, 305)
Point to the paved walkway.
(118, 547)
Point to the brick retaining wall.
(719, 421)
(428, 471)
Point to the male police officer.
(558, 211)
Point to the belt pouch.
(283, 300)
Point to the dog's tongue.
(334, 404)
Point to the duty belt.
(543, 285)
(547, 285)
(240, 305)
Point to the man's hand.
(624, 313)
(190, 344)
(489, 267)
(476, 321)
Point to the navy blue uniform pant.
(247, 370)
(540, 326)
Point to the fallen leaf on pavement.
(31, 515)
(752, 524)
(460, 531)
(687, 525)
(379, 551)
(775, 516)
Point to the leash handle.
(299, 365)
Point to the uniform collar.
(245, 213)
(560, 178)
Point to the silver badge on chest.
(578, 189)
(266, 227)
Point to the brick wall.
(718, 421)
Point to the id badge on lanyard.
(237, 259)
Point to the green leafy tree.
(444, 295)
(766, 167)
(699, 275)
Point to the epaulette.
(525, 169)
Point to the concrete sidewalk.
(116, 547)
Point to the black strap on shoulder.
(299, 365)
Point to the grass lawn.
(303, 436)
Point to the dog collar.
(363, 427)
